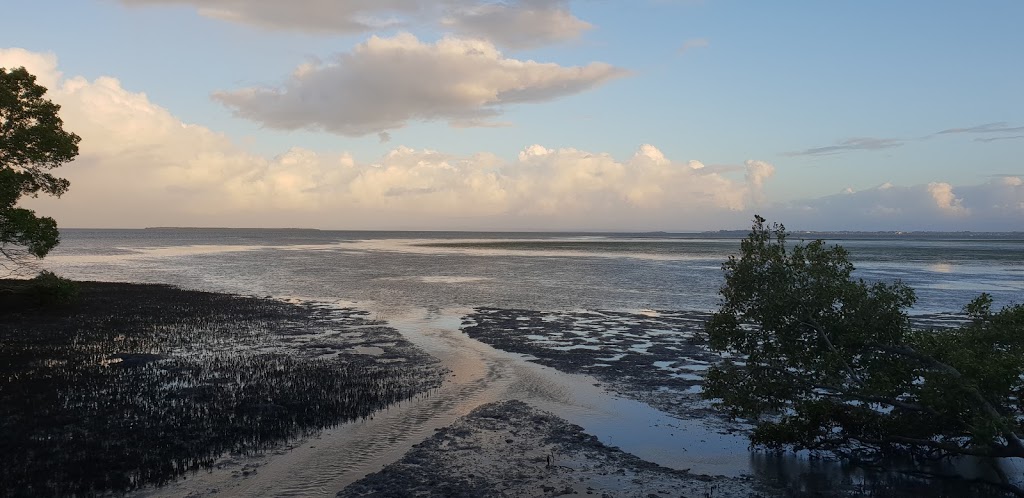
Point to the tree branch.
(839, 391)
(824, 337)
(1013, 440)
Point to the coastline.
(119, 333)
(137, 385)
(206, 328)
(512, 449)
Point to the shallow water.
(530, 271)
(480, 374)
(424, 289)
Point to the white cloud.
(514, 23)
(758, 172)
(141, 166)
(42, 65)
(997, 205)
(580, 183)
(386, 82)
(518, 24)
(945, 199)
(326, 16)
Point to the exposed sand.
(511, 449)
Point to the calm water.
(423, 283)
(533, 271)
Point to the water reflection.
(942, 267)
(439, 276)
(801, 475)
(548, 272)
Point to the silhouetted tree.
(32, 141)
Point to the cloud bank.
(997, 205)
(141, 166)
(513, 24)
(384, 83)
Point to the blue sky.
(824, 115)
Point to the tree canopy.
(819, 360)
(32, 142)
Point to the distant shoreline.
(682, 235)
(208, 228)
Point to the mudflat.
(138, 385)
(510, 449)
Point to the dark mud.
(140, 384)
(511, 449)
(657, 358)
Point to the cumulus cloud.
(945, 199)
(515, 23)
(142, 166)
(187, 174)
(518, 24)
(758, 172)
(568, 180)
(848, 145)
(386, 82)
(997, 205)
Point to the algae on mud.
(137, 385)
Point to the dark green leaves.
(824, 361)
(32, 141)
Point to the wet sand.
(512, 449)
(479, 374)
(656, 357)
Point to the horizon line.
(581, 231)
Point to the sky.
(602, 115)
